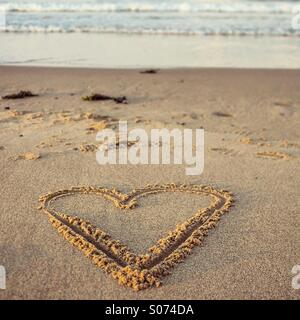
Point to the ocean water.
(156, 33)
(188, 17)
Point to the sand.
(116, 259)
(252, 149)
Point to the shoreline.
(148, 51)
(141, 68)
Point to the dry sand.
(252, 148)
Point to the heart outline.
(145, 270)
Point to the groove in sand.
(145, 270)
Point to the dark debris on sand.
(20, 95)
(221, 114)
(101, 97)
(149, 71)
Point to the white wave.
(172, 6)
(216, 32)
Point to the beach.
(131, 51)
(252, 149)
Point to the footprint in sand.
(43, 145)
(274, 155)
(11, 115)
(224, 150)
(247, 140)
(261, 142)
(97, 126)
(87, 148)
(35, 115)
(285, 104)
(28, 156)
(284, 108)
(287, 144)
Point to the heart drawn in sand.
(115, 258)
